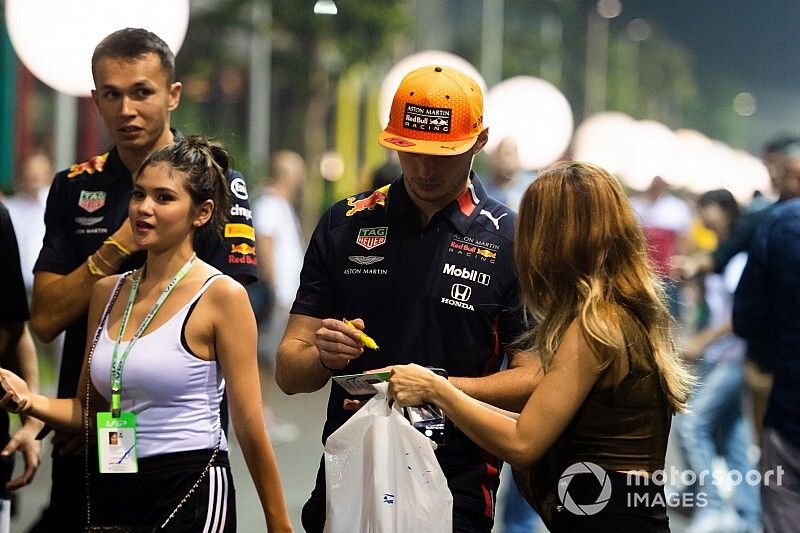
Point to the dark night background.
(747, 45)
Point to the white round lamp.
(535, 114)
(692, 165)
(605, 139)
(651, 151)
(55, 39)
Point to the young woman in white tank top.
(169, 339)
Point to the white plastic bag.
(381, 475)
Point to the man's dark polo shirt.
(86, 205)
(445, 295)
(13, 309)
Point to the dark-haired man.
(88, 235)
(782, 159)
(765, 313)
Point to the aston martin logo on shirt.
(365, 259)
(88, 221)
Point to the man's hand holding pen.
(341, 341)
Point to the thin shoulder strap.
(100, 326)
(196, 298)
(113, 299)
(206, 284)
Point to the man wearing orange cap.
(425, 265)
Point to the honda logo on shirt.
(460, 292)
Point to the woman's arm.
(547, 413)
(235, 347)
(62, 413)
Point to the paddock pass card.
(116, 443)
(361, 384)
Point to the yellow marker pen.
(366, 339)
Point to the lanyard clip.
(116, 399)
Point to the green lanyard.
(117, 364)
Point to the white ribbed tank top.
(174, 394)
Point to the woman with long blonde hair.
(610, 378)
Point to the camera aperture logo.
(584, 508)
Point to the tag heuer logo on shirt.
(91, 201)
(370, 238)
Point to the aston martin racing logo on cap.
(370, 238)
(430, 119)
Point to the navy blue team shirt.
(445, 295)
(86, 205)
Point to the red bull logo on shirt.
(376, 198)
(242, 254)
(91, 166)
(468, 248)
(243, 249)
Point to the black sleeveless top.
(623, 427)
(620, 427)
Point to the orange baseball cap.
(437, 110)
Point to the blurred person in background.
(716, 424)
(782, 159)
(507, 183)
(18, 353)
(26, 207)
(765, 312)
(280, 249)
(599, 325)
(425, 266)
(88, 235)
(508, 180)
(666, 220)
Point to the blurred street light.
(260, 80)
(325, 7)
(493, 22)
(744, 104)
(609, 9)
(597, 55)
(639, 30)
